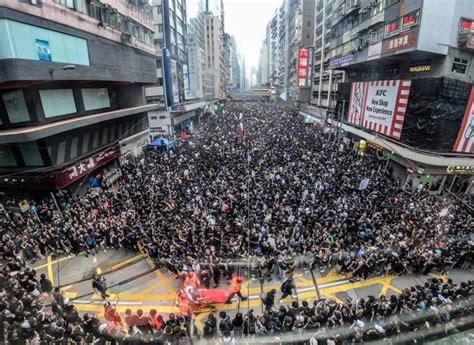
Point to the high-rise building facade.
(325, 80)
(71, 80)
(196, 55)
(291, 28)
(180, 66)
(170, 23)
(264, 64)
(214, 52)
(409, 67)
(232, 66)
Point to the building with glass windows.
(71, 89)
(408, 90)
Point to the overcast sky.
(247, 21)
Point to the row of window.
(111, 17)
(55, 102)
(62, 149)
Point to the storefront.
(101, 168)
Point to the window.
(392, 2)
(78, 5)
(57, 102)
(7, 159)
(459, 66)
(31, 154)
(15, 105)
(96, 98)
(159, 9)
(162, 117)
(153, 117)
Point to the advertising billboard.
(379, 105)
(174, 80)
(167, 78)
(465, 140)
(188, 93)
(304, 67)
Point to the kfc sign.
(86, 166)
(304, 66)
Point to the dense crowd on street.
(279, 193)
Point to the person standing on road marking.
(234, 289)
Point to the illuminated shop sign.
(410, 20)
(420, 66)
(391, 29)
(458, 169)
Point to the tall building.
(409, 69)
(300, 34)
(71, 100)
(214, 49)
(325, 81)
(291, 28)
(244, 84)
(196, 55)
(264, 64)
(169, 19)
(232, 65)
(196, 67)
(179, 65)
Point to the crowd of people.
(276, 197)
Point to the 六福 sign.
(304, 67)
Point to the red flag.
(240, 132)
(183, 136)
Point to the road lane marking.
(126, 261)
(50, 270)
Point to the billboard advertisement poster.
(174, 80)
(379, 105)
(43, 50)
(465, 140)
(188, 94)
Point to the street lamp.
(64, 68)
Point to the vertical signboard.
(379, 105)
(465, 140)
(174, 80)
(302, 67)
(167, 78)
(188, 94)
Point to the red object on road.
(212, 295)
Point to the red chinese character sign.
(402, 41)
(379, 105)
(465, 140)
(304, 67)
(86, 166)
